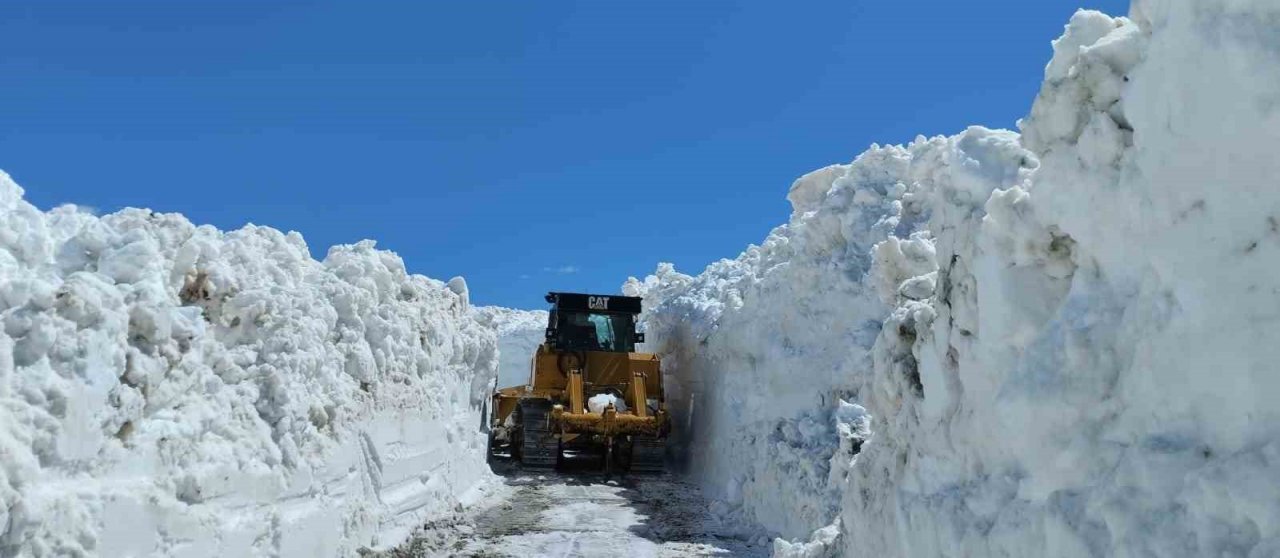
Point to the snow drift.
(519, 334)
(174, 390)
(1055, 344)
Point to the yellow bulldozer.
(589, 393)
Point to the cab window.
(593, 331)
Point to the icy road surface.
(583, 514)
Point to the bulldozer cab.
(580, 322)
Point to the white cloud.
(79, 208)
(562, 270)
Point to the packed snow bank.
(174, 390)
(519, 334)
(1064, 341)
(764, 354)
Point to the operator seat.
(587, 333)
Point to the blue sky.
(528, 146)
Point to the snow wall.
(174, 390)
(519, 334)
(1062, 343)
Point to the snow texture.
(599, 402)
(519, 334)
(1061, 343)
(174, 390)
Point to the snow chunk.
(824, 543)
(598, 402)
(807, 191)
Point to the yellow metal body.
(567, 383)
(577, 399)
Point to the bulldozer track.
(539, 448)
(648, 454)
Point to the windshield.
(592, 331)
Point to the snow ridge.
(519, 334)
(1064, 340)
(174, 390)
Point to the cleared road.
(583, 514)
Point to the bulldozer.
(589, 393)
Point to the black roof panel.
(595, 303)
